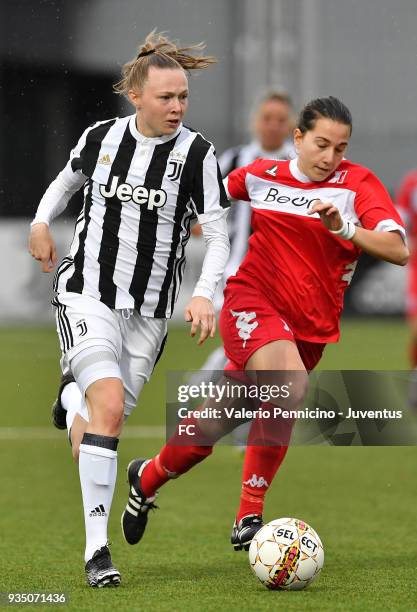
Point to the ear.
(298, 137)
(136, 98)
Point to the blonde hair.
(160, 52)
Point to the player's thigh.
(276, 355)
(83, 323)
(91, 342)
(248, 324)
(143, 343)
(278, 365)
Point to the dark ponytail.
(329, 108)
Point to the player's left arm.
(382, 234)
(211, 205)
(388, 245)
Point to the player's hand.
(329, 214)
(200, 312)
(42, 246)
(196, 230)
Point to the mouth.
(173, 122)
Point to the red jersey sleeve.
(373, 205)
(236, 184)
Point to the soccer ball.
(286, 554)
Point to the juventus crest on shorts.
(140, 196)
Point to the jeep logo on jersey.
(154, 198)
(273, 195)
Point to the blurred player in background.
(145, 178)
(311, 219)
(406, 199)
(271, 124)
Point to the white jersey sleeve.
(217, 253)
(60, 191)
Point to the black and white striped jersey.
(140, 196)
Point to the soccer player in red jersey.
(406, 199)
(311, 218)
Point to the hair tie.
(144, 53)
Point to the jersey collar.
(144, 139)
(296, 172)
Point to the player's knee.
(112, 415)
(298, 391)
(106, 403)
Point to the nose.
(329, 157)
(176, 105)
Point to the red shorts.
(248, 321)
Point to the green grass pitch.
(362, 501)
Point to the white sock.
(98, 470)
(73, 402)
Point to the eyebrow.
(345, 142)
(172, 93)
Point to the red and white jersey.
(301, 267)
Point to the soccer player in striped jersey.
(311, 218)
(145, 178)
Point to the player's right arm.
(53, 203)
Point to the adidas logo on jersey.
(98, 511)
(272, 171)
(105, 160)
(154, 198)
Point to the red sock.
(268, 442)
(260, 466)
(173, 460)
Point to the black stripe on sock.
(101, 441)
